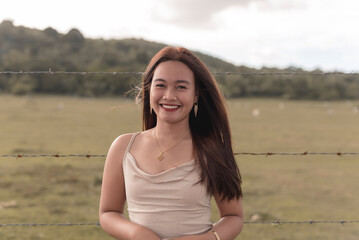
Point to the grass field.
(292, 188)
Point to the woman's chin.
(172, 119)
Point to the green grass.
(294, 188)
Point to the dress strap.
(131, 142)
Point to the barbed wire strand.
(52, 155)
(47, 224)
(303, 222)
(246, 222)
(306, 153)
(290, 73)
(67, 72)
(340, 154)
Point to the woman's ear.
(196, 96)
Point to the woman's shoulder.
(117, 150)
(123, 138)
(122, 141)
(119, 145)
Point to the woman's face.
(172, 92)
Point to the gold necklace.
(162, 156)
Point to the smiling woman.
(169, 172)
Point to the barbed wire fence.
(266, 154)
(246, 222)
(87, 155)
(263, 73)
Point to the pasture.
(283, 188)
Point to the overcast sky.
(274, 33)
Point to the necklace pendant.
(161, 157)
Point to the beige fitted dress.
(169, 203)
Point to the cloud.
(203, 13)
(194, 14)
(281, 5)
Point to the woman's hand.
(205, 236)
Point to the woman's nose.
(170, 95)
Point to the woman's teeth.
(169, 106)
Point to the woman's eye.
(160, 85)
(181, 87)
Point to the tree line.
(27, 49)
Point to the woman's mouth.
(169, 107)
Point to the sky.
(308, 34)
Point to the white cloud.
(201, 13)
(195, 14)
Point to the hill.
(27, 49)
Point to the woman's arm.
(230, 224)
(113, 197)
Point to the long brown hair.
(210, 130)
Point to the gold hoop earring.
(195, 109)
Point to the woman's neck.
(172, 130)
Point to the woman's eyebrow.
(177, 81)
(159, 80)
(182, 81)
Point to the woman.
(168, 172)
